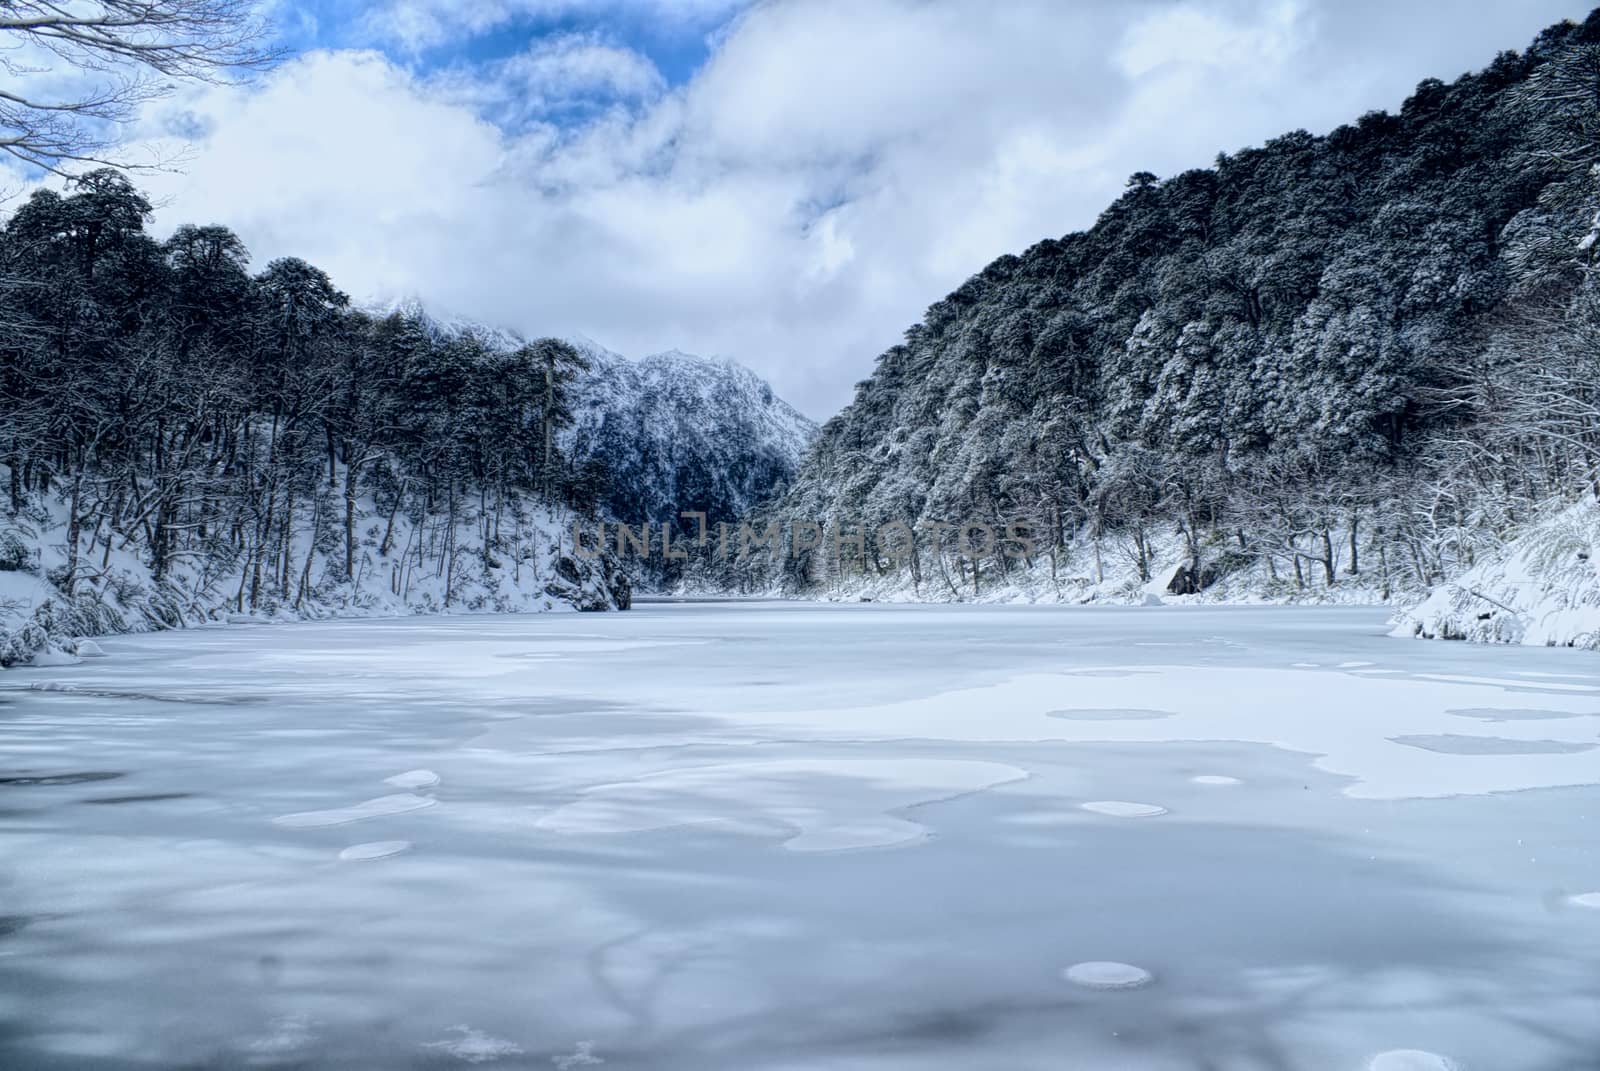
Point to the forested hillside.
(182, 437)
(643, 440)
(1340, 362)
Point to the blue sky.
(677, 41)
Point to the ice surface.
(635, 841)
(830, 804)
(1453, 744)
(1111, 714)
(1521, 714)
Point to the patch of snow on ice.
(1588, 899)
(582, 1056)
(1347, 722)
(383, 806)
(474, 1046)
(376, 849)
(1216, 779)
(1500, 682)
(413, 779)
(834, 804)
(88, 649)
(1104, 974)
(286, 1036)
(1123, 809)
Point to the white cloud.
(837, 165)
(555, 76)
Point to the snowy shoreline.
(529, 572)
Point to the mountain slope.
(670, 432)
(676, 432)
(1300, 367)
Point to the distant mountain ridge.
(673, 431)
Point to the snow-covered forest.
(183, 438)
(1353, 367)
(1341, 366)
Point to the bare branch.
(124, 53)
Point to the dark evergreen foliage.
(1319, 335)
(185, 407)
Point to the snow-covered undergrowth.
(1542, 589)
(403, 565)
(1087, 574)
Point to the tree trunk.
(349, 520)
(311, 551)
(16, 483)
(74, 532)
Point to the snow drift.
(1541, 589)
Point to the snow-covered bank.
(1540, 589)
(1107, 572)
(403, 565)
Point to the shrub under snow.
(1541, 589)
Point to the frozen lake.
(773, 836)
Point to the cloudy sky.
(789, 183)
